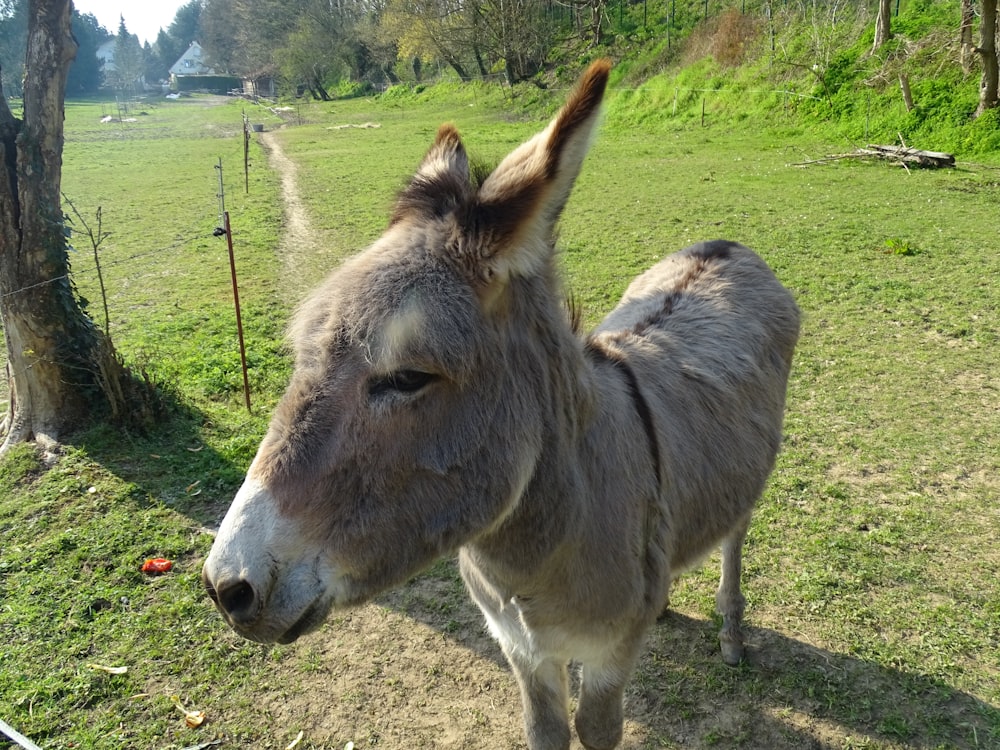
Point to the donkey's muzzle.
(236, 599)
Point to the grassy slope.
(871, 547)
(813, 66)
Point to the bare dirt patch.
(298, 247)
(417, 669)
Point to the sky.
(144, 18)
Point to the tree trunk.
(883, 24)
(62, 370)
(988, 50)
(597, 10)
(463, 76)
(965, 34)
(904, 86)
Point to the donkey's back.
(709, 334)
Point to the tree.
(320, 48)
(172, 42)
(517, 34)
(13, 33)
(85, 74)
(883, 24)
(240, 36)
(129, 63)
(62, 369)
(186, 26)
(965, 34)
(988, 51)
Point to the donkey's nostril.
(238, 600)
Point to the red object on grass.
(157, 565)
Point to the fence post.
(239, 319)
(227, 230)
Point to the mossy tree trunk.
(62, 370)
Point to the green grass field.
(872, 568)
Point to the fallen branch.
(909, 155)
(902, 155)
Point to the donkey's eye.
(401, 381)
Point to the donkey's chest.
(534, 630)
(526, 640)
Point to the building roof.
(191, 64)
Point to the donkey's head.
(424, 392)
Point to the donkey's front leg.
(545, 702)
(600, 713)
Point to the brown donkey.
(442, 402)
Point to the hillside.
(813, 68)
(796, 67)
(799, 67)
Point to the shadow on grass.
(172, 464)
(787, 694)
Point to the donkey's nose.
(236, 598)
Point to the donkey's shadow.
(786, 694)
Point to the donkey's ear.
(521, 201)
(441, 182)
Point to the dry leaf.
(191, 718)
(109, 670)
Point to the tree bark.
(904, 86)
(965, 34)
(988, 51)
(62, 370)
(883, 24)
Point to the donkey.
(442, 401)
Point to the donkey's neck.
(598, 454)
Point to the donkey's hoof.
(733, 651)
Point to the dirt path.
(298, 242)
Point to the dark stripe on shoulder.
(617, 359)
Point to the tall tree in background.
(86, 74)
(965, 34)
(988, 51)
(320, 48)
(13, 33)
(431, 29)
(129, 62)
(883, 24)
(62, 370)
(186, 26)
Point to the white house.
(191, 64)
(106, 54)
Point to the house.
(191, 64)
(190, 73)
(106, 54)
(261, 83)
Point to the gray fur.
(575, 477)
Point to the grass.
(871, 569)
